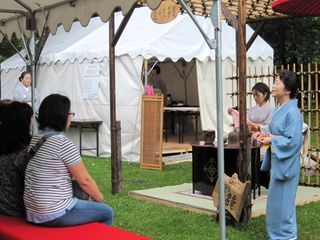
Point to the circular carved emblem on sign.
(166, 12)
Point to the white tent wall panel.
(67, 79)
(207, 95)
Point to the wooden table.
(182, 112)
(87, 125)
(205, 166)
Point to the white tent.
(66, 56)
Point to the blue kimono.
(283, 157)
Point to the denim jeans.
(83, 212)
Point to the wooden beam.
(255, 34)
(231, 19)
(244, 152)
(122, 26)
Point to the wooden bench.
(13, 228)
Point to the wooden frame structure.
(151, 132)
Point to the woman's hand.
(262, 138)
(265, 140)
(257, 135)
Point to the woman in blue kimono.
(22, 92)
(283, 158)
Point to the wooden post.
(116, 172)
(245, 152)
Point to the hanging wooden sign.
(166, 12)
(235, 194)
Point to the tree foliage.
(294, 40)
(6, 49)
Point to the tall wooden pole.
(245, 152)
(116, 173)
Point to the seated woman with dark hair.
(15, 126)
(48, 194)
(260, 114)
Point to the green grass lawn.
(167, 223)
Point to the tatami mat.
(182, 196)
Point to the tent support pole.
(14, 47)
(215, 17)
(34, 78)
(211, 42)
(42, 40)
(184, 76)
(184, 65)
(116, 171)
(245, 151)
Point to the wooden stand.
(151, 132)
(205, 166)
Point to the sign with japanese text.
(166, 12)
(91, 81)
(235, 193)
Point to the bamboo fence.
(308, 77)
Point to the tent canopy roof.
(142, 37)
(16, 15)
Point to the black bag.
(77, 190)
(33, 150)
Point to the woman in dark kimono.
(283, 158)
(15, 126)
